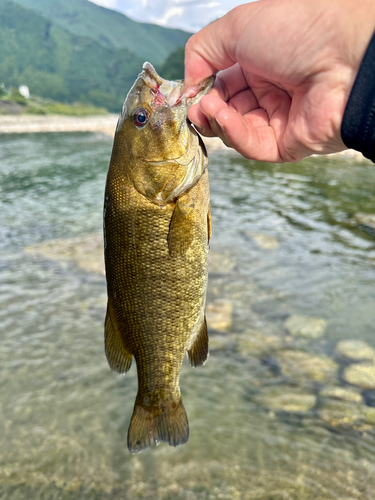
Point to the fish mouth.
(168, 92)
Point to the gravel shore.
(26, 124)
(20, 124)
(106, 124)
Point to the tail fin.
(169, 424)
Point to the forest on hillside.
(60, 65)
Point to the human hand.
(288, 68)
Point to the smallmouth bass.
(156, 231)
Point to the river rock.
(365, 219)
(355, 349)
(256, 343)
(348, 394)
(219, 314)
(285, 398)
(222, 343)
(362, 374)
(346, 414)
(220, 262)
(86, 251)
(303, 367)
(306, 326)
(264, 241)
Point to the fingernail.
(219, 122)
(209, 118)
(200, 129)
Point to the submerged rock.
(219, 314)
(222, 343)
(362, 374)
(346, 414)
(365, 219)
(303, 367)
(306, 326)
(348, 394)
(220, 262)
(256, 343)
(86, 251)
(264, 241)
(285, 398)
(355, 349)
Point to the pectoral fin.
(118, 356)
(198, 354)
(181, 227)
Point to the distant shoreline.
(106, 124)
(23, 124)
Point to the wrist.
(358, 124)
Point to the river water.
(267, 418)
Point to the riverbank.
(23, 124)
(106, 124)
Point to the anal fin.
(118, 356)
(198, 353)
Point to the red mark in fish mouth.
(159, 97)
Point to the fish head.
(163, 153)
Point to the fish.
(157, 228)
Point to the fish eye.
(140, 117)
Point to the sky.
(189, 15)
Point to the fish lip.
(195, 92)
(151, 78)
(171, 95)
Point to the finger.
(254, 132)
(258, 143)
(229, 82)
(244, 102)
(277, 103)
(209, 106)
(203, 116)
(212, 107)
(198, 118)
(257, 118)
(210, 50)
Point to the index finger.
(229, 82)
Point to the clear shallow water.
(64, 415)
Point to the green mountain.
(110, 28)
(73, 50)
(174, 66)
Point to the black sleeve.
(358, 124)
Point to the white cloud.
(189, 15)
(173, 12)
(110, 4)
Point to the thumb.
(210, 50)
